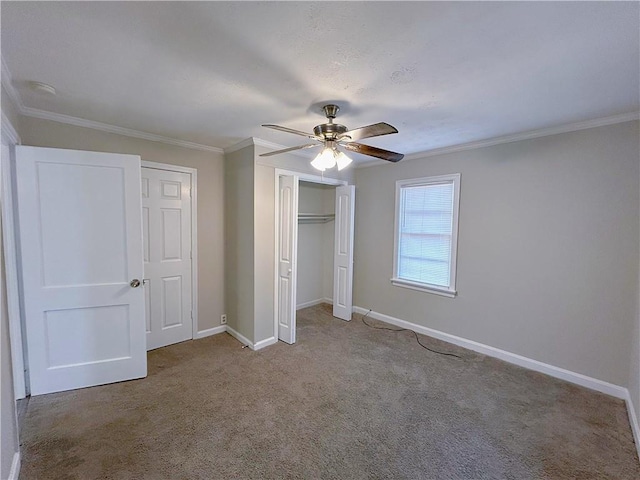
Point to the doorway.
(169, 244)
(340, 213)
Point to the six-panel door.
(166, 220)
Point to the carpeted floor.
(345, 402)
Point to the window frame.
(426, 287)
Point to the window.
(426, 234)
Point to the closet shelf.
(315, 217)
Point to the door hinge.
(190, 193)
(191, 254)
(191, 314)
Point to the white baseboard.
(253, 346)
(210, 331)
(238, 336)
(264, 343)
(14, 473)
(633, 420)
(315, 302)
(557, 372)
(310, 304)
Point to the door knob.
(135, 283)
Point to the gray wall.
(44, 133)
(239, 241)
(547, 249)
(264, 251)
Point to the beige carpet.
(345, 402)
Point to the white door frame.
(11, 138)
(193, 172)
(298, 176)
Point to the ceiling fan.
(333, 135)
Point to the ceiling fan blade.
(291, 130)
(373, 151)
(290, 149)
(374, 130)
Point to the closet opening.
(314, 248)
(316, 232)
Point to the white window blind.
(426, 232)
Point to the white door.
(343, 252)
(166, 226)
(287, 245)
(80, 234)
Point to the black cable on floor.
(407, 330)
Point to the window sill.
(421, 287)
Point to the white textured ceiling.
(212, 72)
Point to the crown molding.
(105, 127)
(9, 131)
(247, 142)
(7, 83)
(81, 122)
(255, 141)
(516, 137)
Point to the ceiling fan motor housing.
(329, 131)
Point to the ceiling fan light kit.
(329, 157)
(331, 135)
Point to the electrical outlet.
(223, 318)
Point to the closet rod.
(315, 217)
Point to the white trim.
(193, 173)
(421, 287)
(255, 141)
(7, 83)
(253, 346)
(238, 336)
(396, 280)
(310, 177)
(516, 137)
(14, 473)
(529, 134)
(210, 331)
(247, 142)
(167, 166)
(535, 365)
(9, 132)
(263, 343)
(310, 304)
(81, 122)
(105, 127)
(307, 177)
(11, 272)
(276, 146)
(633, 420)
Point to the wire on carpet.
(406, 330)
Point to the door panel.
(80, 230)
(287, 240)
(167, 267)
(343, 253)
